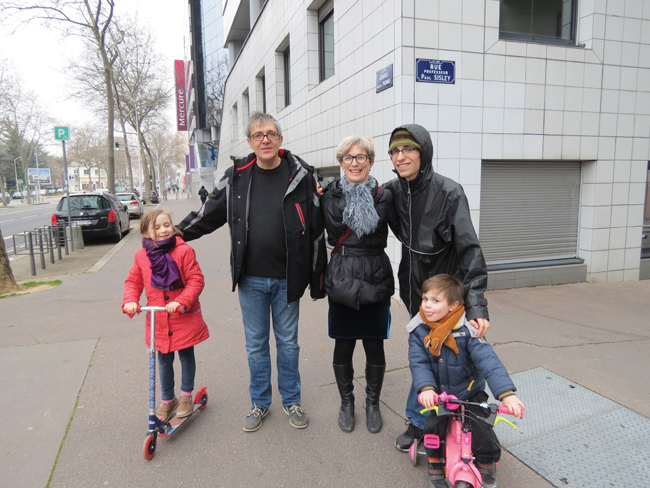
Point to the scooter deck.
(175, 422)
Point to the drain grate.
(576, 438)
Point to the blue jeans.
(166, 371)
(261, 299)
(413, 408)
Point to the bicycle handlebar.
(452, 403)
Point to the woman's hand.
(481, 324)
(131, 308)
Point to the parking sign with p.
(61, 133)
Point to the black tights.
(374, 348)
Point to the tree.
(89, 19)
(24, 125)
(86, 150)
(7, 281)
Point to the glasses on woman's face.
(271, 136)
(361, 159)
(406, 151)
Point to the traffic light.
(117, 146)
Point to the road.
(24, 218)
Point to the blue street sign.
(384, 78)
(435, 71)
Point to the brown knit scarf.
(441, 331)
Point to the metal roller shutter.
(529, 210)
(328, 172)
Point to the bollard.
(39, 237)
(31, 254)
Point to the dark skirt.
(369, 322)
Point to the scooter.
(460, 471)
(158, 428)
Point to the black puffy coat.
(359, 273)
(436, 233)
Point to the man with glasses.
(277, 248)
(437, 237)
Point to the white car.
(133, 203)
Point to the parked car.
(131, 200)
(16, 195)
(98, 214)
(153, 196)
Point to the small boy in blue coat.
(445, 354)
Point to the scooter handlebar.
(180, 309)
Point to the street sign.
(61, 133)
(435, 71)
(384, 78)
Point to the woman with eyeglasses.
(358, 279)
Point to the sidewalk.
(70, 351)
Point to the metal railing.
(44, 241)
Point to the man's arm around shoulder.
(211, 216)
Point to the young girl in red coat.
(167, 269)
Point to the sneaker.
(185, 407)
(297, 416)
(166, 410)
(253, 420)
(436, 476)
(412, 433)
(488, 473)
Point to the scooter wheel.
(463, 484)
(413, 452)
(204, 400)
(150, 445)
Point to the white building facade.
(546, 124)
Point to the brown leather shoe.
(185, 407)
(166, 410)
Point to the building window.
(546, 21)
(246, 108)
(235, 121)
(326, 40)
(85, 171)
(286, 59)
(260, 92)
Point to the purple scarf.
(164, 271)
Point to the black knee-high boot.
(374, 381)
(344, 374)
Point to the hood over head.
(422, 136)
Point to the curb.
(107, 257)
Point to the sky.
(40, 55)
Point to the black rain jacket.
(303, 223)
(359, 273)
(436, 233)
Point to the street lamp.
(16, 174)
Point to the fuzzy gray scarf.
(360, 214)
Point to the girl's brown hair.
(147, 220)
(451, 288)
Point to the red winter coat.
(178, 330)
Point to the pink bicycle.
(460, 471)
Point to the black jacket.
(359, 273)
(203, 192)
(436, 233)
(303, 223)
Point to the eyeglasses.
(361, 159)
(271, 136)
(406, 151)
